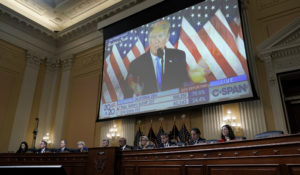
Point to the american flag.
(137, 137)
(160, 132)
(184, 134)
(174, 133)
(152, 136)
(209, 33)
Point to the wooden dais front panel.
(272, 156)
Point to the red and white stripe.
(221, 48)
(197, 47)
(115, 72)
(219, 44)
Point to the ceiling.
(57, 15)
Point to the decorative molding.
(268, 3)
(26, 25)
(288, 63)
(80, 7)
(90, 60)
(269, 68)
(66, 63)
(36, 7)
(285, 38)
(286, 52)
(280, 53)
(90, 25)
(76, 33)
(290, 39)
(53, 66)
(33, 59)
(70, 34)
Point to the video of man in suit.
(194, 56)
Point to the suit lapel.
(151, 72)
(151, 66)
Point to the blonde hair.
(81, 143)
(160, 26)
(146, 138)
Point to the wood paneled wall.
(36, 103)
(265, 19)
(83, 97)
(12, 66)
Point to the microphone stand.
(35, 131)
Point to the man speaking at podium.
(160, 68)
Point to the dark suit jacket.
(200, 140)
(170, 144)
(65, 150)
(175, 74)
(127, 147)
(40, 150)
(84, 149)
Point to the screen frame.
(116, 29)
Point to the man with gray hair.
(105, 143)
(165, 142)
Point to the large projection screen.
(192, 57)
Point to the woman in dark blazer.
(23, 147)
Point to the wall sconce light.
(47, 138)
(230, 120)
(113, 132)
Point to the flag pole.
(183, 125)
(174, 134)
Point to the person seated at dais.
(123, 145)
(165, 142)
(23, 147)
(63, 147)
(81, 147)
(105, 143)
(195, 137)
(227, 134)
(43, 147)
(145, 143)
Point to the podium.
(104, 161)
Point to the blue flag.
(184, 134)
(174, 134)
(152, 136)
(137, 137)
(160, 132)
